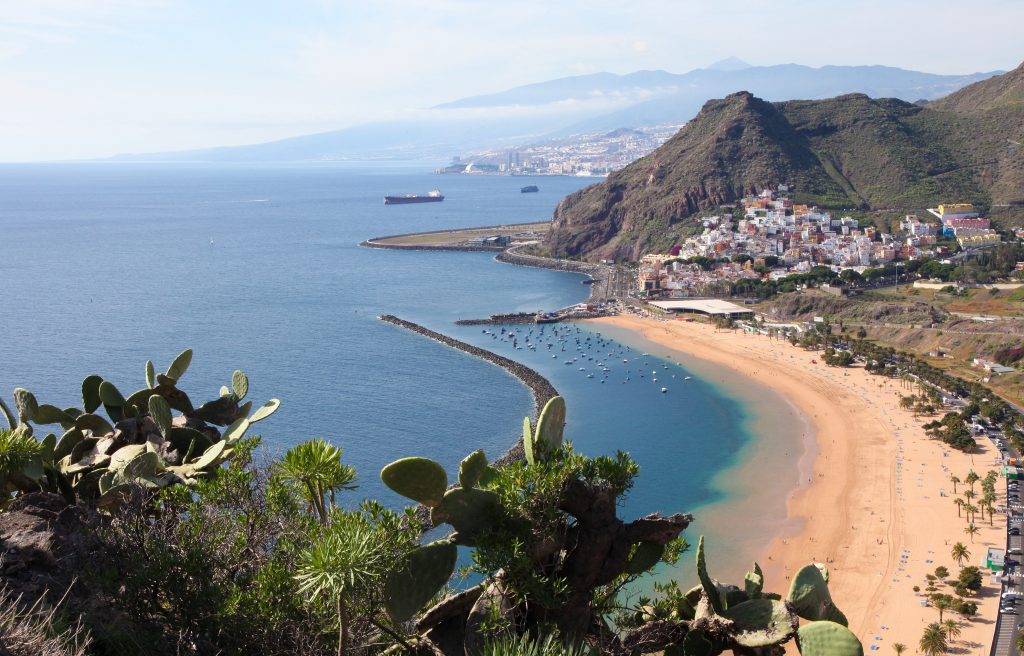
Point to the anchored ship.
(433, 197)
(528, 189)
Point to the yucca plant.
(526, 645)
(21, 463)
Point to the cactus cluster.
(139, 442)
(724, 617)
(468, 507)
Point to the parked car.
(1014, 551)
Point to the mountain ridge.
(848, 151)
(579, 104)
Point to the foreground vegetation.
(182, 547)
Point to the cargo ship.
(433, 197)
(528, 189)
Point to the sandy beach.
(875, 500)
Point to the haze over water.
(259, 268)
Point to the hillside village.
(769, 237)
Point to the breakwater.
(542, 390)
(518, 317)
(599, 274)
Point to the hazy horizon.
(94, 78)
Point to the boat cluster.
(595, 357)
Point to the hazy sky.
(90, 78)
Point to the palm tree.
(972, 530)
(951, 629)
(971, 479)
(960, 503)
(990, 508)
(899, 648)
(940, 604)
(315, 468)
(933, 642)
(969, 495)
(960, 553)
(970, 510)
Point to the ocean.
(259, 268)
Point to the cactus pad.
(472, 468)
(91, 393)
(419, 479)
(48, 414)
(264, 411)
(762, 623)
(809, 595)
(827, 639)
(548, 436)
(160, 412)
(645, 556)
(239, 385)
(531, 458)
(150, 374)
(469, 510)
(180, 365)
(710, 588)
(26, 404)
(753, 583)
(420, 576)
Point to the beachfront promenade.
(877, 505)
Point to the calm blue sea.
(258, 268)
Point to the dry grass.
(35, 631)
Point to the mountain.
(729, 64)
(574, 105)
(776, 83)
(842, 152)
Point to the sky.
(93, 78)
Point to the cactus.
(95, 459)
(419, 479)
(26, 405)
(180, 365)
(468, 510)
(531, 458)
(550, 425)
(809, 595)
(150, 374)
(710, 588)
(827, 639)
(645, 556)
(264, 411)
(472, 468)
(420, 576)
(239, 385)
(753, 583)
(761, 623)
(161, 414)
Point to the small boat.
(529, 189)
(688, 378)
(664, 389)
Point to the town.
(590, 154)
(769, 237)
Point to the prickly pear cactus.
(419, 479)
(472, 468)
(809, 595)
(141, 442)
(827, 639)
(420, 576)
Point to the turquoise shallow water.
(259, 268)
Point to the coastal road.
(1007, 624)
